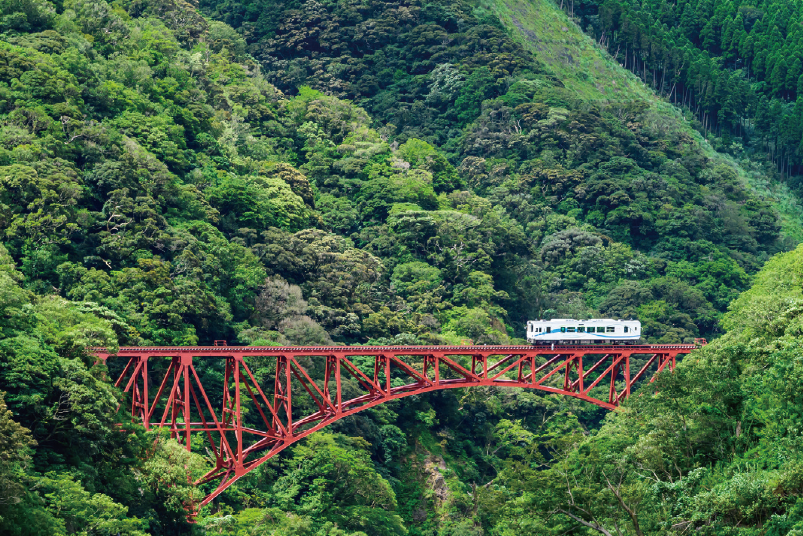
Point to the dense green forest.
(414, 172)
(735, 65)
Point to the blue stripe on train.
(592, 334)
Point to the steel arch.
(181, 403)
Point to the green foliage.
(169, 179)
(169, 472)
(68, 468)
(85, 513)
(258, 203)
(420, 154)
(714, 449)
(332, 478)
(150, 168)
(15, 444)
(735, 66)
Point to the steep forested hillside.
(716, 451)
(536, 140)
(157, 172)
(339, 172)
(736, 65)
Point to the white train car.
(593, 331)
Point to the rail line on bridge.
(250, 403)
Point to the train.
(592, 331)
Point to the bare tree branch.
(586, 523)
(630, 511)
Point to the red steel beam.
(188, 409)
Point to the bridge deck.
(399, 350)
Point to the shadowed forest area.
(404, 172)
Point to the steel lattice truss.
(247, 414)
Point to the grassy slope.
(573, 57)
(591, 72)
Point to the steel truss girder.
(186, 405)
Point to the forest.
(404, 172)
(736, 66)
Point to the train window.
(610, 329)
(581, 329)
(563, 330)
(600, 329)
(626, 330)
(548, 329)
(570, 330)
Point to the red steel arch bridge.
(250, 403)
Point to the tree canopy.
(404, 172)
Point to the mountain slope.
(591, 71)
(336, 172)
(735, 65)
(714, 451)
(528, 129)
